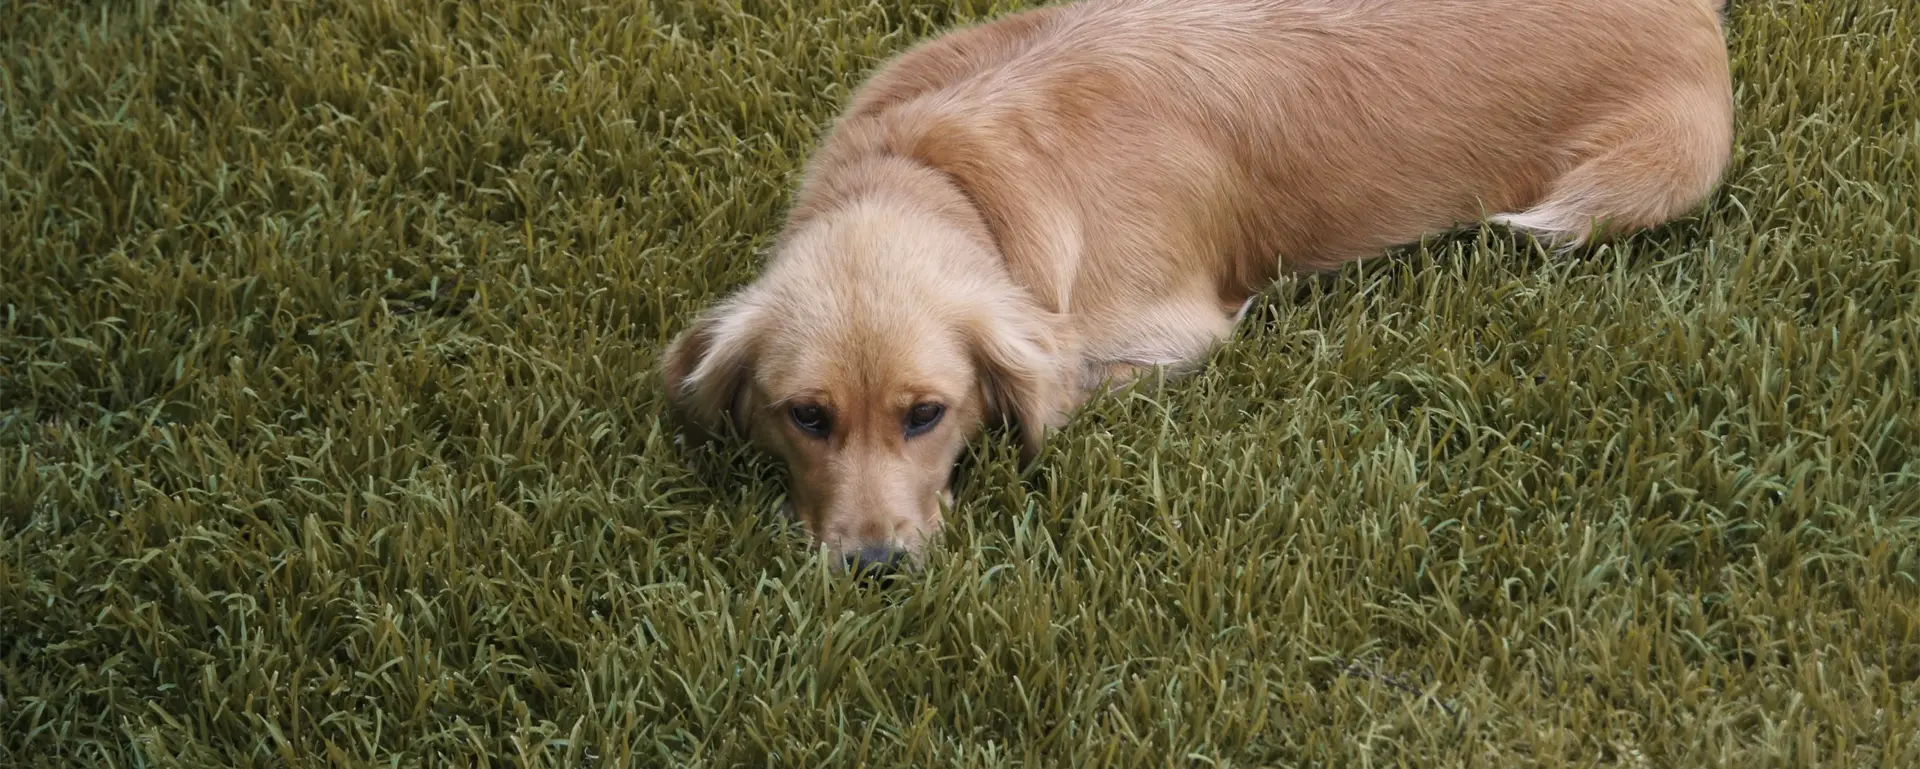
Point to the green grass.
(329, 434)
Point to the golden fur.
(1011, 216)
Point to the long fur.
(1060, 199)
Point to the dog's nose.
(878, 561)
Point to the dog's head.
(878, 342)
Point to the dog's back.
(1238, 130)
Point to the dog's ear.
(1023, 374)
(708, 367)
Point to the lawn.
(330, 433)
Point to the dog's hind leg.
(1643, 168)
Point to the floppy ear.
(707, 369)
(1022, 373)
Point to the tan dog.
(1010, 217)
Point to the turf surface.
(328, 434)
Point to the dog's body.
(1014, 215)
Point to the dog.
(1013, 216)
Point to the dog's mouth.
(880, 558)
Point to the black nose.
(878, 561)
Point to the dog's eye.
(923, 417)
(812, 419)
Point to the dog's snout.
(878, 560)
